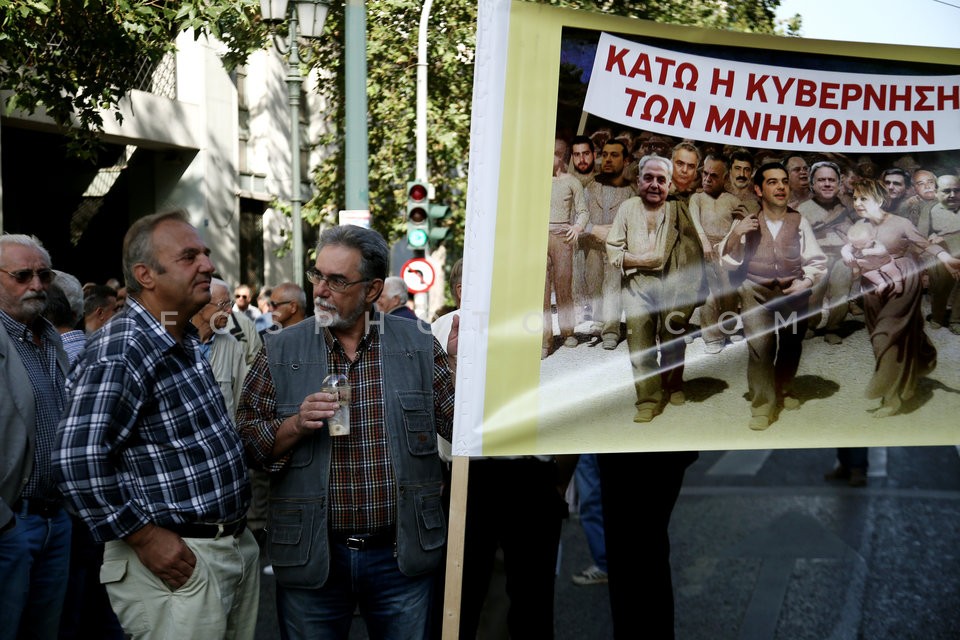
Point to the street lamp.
(305, 18)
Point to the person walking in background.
(393, 300)
(587, 478)
(99, 305)
(288, 304)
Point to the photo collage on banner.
(646, 320)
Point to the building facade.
(193, 136)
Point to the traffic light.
(438, 214)
(418, 217)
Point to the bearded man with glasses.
(354, 519)
(34, 528)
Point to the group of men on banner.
(645, 229)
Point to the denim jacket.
(298, 521)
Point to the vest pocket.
(291, 527)
(432, 524)
(418, 422)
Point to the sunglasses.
(274, 305)
(23, 276)
(241, 295)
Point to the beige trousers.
(219, 601)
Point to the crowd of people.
(645, 230)
(158, 435)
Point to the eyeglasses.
(274, 305)
(241, 295)
(23, 276)
(338, 284)
(222, 306)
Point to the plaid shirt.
(46, 378)
(362, 483)
(146, 437)
(73, 344)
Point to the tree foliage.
(392, 32)
(78, 58)
(391, 88)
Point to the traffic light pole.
(420, 299)
(356, 169)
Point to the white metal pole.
(294, 82)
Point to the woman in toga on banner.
(902, 349)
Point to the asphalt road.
(763, 548)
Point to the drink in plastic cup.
(339, 423)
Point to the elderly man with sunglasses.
(288, 304)
(34, 528)
(356, 519)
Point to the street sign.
(418, 274)
(357, 217)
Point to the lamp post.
(304, 18)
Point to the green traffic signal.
(418, 219)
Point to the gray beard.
(333, 320)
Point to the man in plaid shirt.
(148, 455)
(355, 519)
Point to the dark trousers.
(774, 326)
(514, 505)
(639, 491)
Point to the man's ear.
(144, 276)
(373, 293)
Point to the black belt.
(360, 541)
(37, 507)
(209, 530)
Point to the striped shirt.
(362, 482)
(146, 437)
(47, 382)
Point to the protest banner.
(544, 73)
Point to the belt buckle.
(355, 544)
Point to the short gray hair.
(668, 165)
(138, 245)
(22, 240)
(217, 282)
(73, 291)
(374, 253)
(394, 286)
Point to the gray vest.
(298, 520)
